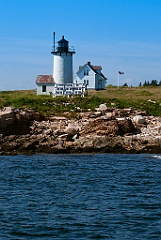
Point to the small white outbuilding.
(45, 84)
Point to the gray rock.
(102, 107)
(110, 115)
(139, 119)
(59, 132)
(71, 129)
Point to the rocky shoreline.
(103, 131)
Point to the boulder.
(7, 117)
(106, 127)
(72, 129)
(102, 107)
(59, 132)
(95, 114)
(139, 119)
(126, 126)
(100, 127)
(110, 115)
(14, 121)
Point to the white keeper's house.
(91, 76)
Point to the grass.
(124, 97)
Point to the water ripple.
(80, 197)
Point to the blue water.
(100, 196)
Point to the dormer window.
(86, 72)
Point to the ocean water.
(88, 196)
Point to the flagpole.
(118, 77)
(118, 80)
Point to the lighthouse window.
(43, 88)
(87, 82)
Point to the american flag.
(121, 72)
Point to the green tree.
(154, 83)
(145, 83)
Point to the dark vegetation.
(144, 98)
(152, 83)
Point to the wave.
(156, 156)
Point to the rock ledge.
(104, 131)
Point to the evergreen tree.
(154, 83)
(145, 83)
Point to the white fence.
(69, 89)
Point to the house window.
(86, 82)
(86, 72)
(100, 83)
(43, 88)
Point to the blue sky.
(119, 35)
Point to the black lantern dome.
(62, 45)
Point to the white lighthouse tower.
(63, 62)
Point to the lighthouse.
(63, 61)
(60, 83)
